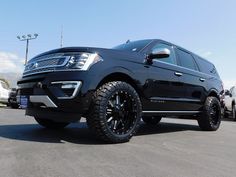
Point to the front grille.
(47, 63)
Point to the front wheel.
(210, 118)
(152, 120)
(115, 113)
(50, 124)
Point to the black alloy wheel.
(210, 117)
(214, 112)
(115, 113)
(121, 113)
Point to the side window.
(171, 58)
(206, 66)
(186, 59)
(233, 92)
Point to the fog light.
(68, 89)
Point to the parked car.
(4, 92)
(114, 88)
(12, 100)
(230, 97)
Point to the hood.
(103, 52)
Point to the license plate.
(23, 102)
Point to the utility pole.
(61, 45)
(27, 39)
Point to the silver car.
(4, 92)
(230, 97)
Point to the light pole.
(27, 39)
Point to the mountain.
(11, 78)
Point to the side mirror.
(159, 53)
(227, 93)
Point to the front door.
(164, 86)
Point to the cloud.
(207, 54)
(10, 63)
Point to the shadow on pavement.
(78, 133)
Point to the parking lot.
(174, 148)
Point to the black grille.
(46, 63)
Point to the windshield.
(134, 46)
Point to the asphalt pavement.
(174, 148)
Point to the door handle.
(202, 80)
(178, 74)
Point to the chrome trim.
(172, 112)
(39, 72)
(43, 99)
(202, 79)
(51, 66)
(174, 99)
(77, 88)
(178, 74)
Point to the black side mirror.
(227, 93)
(159, 53)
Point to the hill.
(11, 78)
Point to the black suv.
(114, 88)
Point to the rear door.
(194, 82)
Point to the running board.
(172, 112)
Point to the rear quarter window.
(206, 67)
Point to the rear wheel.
(151, 120)
(225, 113)
(50, 124)
(210, 118)
(233, 112)
(115, 113)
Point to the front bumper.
(58, 93)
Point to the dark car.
(12, 100)
(114, 88)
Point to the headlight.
(83, 61)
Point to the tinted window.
(206, 67)
(233, 92)
(186, 60)
(134, 46)
(171, 58)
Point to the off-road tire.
(210, 118)
(233, 112)
(97, 120)
(152, 120)
(50, 124)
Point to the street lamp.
(27, 38)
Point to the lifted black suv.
(114, 88)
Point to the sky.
(205, 27)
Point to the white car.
(4, 92)
(230, 97)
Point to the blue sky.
(206, 27)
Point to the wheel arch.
(120, 76)
(214, 93)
